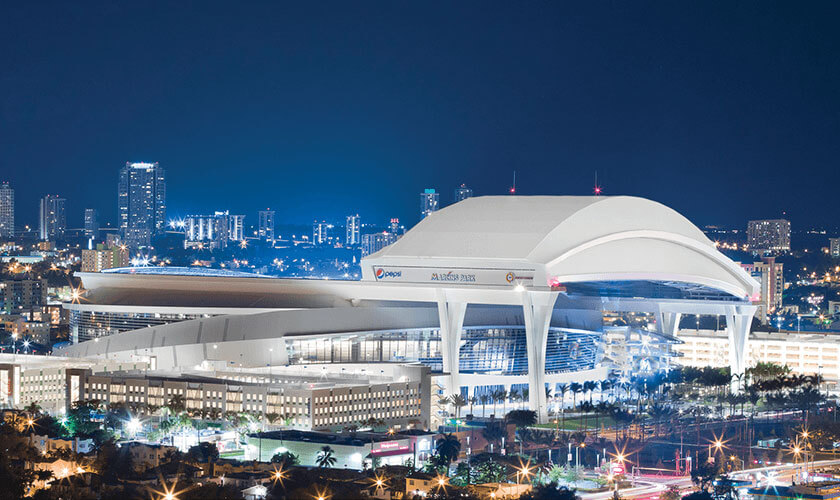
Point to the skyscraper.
(395, 228)
(429, 202)
(769, 235)
(141, 203)
(372, 243)
(321, 232)
(236, 224)
(208, 231)
(462, 193)
(266, 227)
(354, 225)
(834, 247)
(52, 218)
(770, 274)
(7, 211)
(92, 223)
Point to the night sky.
(724, 111)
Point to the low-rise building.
(806, 353)
(146, 456)
(352, 450)
(101, 258)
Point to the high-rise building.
(321, 232)
(94, 261)
(141, 203)
(769, 235)
(92, 223)
(770, 274)
(212, 231)
(462, 193)
(353, 227)
(429, 202)
(52, 218)
(394, 227)
(266, 227)
(7, 211)
(19, 296)
(372, 243)
(236, 227)
(834, 247)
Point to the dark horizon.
(724, 112)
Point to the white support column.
(738, 323)
(537, 308)
(451, 316)
(668, 323)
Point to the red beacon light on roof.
(555, 285)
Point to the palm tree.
(473, 400)
(484, 399)
(589, 386)
(177, 404)
(576, 389)
(448, 448)
(458, 401)
(501, 395)
(325, 457)
(272, 417)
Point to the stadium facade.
(491, 291)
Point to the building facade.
(772, 235)
(52, 218)
(770, 274)
(834, 247)
(462, 193)
(101, 258)
(7, 211)
(18, 296)
(429, 202)
(212, 231)
(266, 225)
(353, 227)
(321, 232)
(372, 243)
(141, 203)
(92, 223)
(804, 353)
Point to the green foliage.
(203, 452)
(549, 492)
(448, 448)
(80, 418)
(672, 493)
(325, 457)
(522, 418)
(286, 459)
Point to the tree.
(458, 401)
(672, 493)
(522, 418)
(448, 448)
(286, 459)
(204, 452)
(80, 421)
(549, 492)
(325, 457)
(576, 389)
(494, 434)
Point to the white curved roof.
(559, 239)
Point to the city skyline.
(673, 114)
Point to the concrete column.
(451, 316)
(668, 323)
(537, 308)
(738, 322)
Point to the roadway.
(649, 487)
